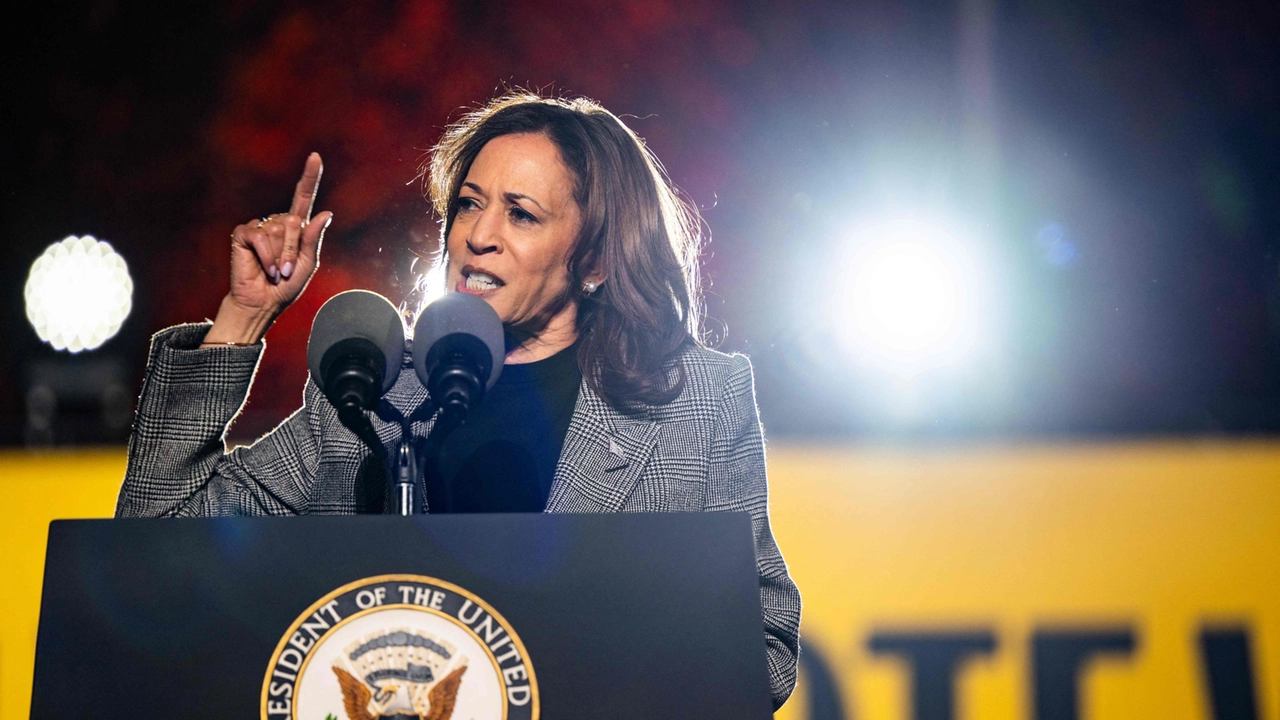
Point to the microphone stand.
(406, 468)
(407, 473)
(403, 470)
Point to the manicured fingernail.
(286, 270)
(274, 272)
(330, 220)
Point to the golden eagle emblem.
(400, 674)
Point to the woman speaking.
(556, 214)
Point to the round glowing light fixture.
(78, 293)
(909, 299)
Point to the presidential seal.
(400, 647)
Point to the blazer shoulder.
(705, 361)
(708, 372)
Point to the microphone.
(458, 351)
(355, 349)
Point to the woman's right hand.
(271, 262)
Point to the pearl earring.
(589, 287)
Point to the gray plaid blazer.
(704, 451)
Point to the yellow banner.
(1109, 582)
(36, 487)
(995, 583)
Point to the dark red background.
(1148, 131)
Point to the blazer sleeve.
(737, 482)
(178, 464)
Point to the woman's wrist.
(237, 325)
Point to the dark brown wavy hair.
(635, 227)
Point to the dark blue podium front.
(468, 617)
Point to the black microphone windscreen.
(358, 314)
(458, 313)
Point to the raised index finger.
(304, 196)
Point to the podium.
(450, 617)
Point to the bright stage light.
(909, 301)
(78, 293)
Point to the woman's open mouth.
(476, 282)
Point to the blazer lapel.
(603, 456)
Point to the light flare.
(910, 298)
(78, 293)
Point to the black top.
(503, 458)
